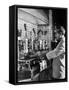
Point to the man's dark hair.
(60, 30)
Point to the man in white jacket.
(58, 56)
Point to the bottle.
(26, 39)
(40, 44)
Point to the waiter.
(58, 55)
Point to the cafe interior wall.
(33, 17)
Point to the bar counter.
(34, 72)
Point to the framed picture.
(37, 44)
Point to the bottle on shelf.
(26, 40)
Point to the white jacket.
(58, 55)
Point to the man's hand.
(39, 53)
